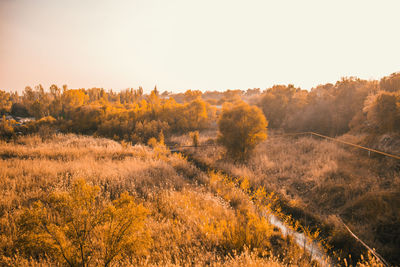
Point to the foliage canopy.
(241, 128)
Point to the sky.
(199, 45)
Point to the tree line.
(351, 104)
(128, 115)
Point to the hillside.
(181, 215)
(313, 187)
(187, 221)
(321, 184)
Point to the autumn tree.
(56, 104)
(348, 99)
(5, 102)
(73, 98)
(241, 128)
(79, 227)
(85, 119)
(390, 83)
(275, 102)
(196, 114)
(37, 101)
(295, 110)
(28, 99)
(6, 128)
(195, 138)
(154, 103)
(191, 95)
(19, 109)
(383, 111)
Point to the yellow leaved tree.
(5, 102)
(241, 128)
(80, 228)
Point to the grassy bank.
(183, 216)
(319, 184)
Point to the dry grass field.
(66, 200)
(321, 183)
(199, 133)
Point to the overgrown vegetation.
(129, 115)
(86, 201)
(351, 104)
(319, 184)
(241, 127)
(80, 227)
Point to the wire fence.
(341, 142)
(175, 146)
(372, 251)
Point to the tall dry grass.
(194, 218)
(325, 181)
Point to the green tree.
(241, 128)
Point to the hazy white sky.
(202, 44)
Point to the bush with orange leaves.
(79, 227)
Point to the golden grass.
(325, 180)
(195, 218)
(191, 221)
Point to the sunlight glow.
(206, 45)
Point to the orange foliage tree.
(241, 128)
(383, 111)
(80, 228)
(5, 102)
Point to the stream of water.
(311, 246)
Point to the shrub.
(195, 138)
(6, 128)
(78, 226)
(241, 128)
